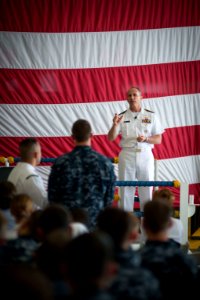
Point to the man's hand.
(141, 138)
(117, 119)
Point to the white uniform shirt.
(133, 124)
(176, 231)
(27, 181)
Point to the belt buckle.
(137, 150)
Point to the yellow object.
(116, 160)
(11, 160)
(116, 198)
(177, 183)
(2, 160)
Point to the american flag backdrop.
(62, 60)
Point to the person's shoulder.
(32, 176)
(102, 157)
(61, 159)
(150, 111)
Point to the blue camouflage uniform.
(132, 280)
(82, 178)
(175, 270)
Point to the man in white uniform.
(140, 129)
(24, 175)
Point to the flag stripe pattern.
(69, 59)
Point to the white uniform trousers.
(135, 166)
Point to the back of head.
(87, 256)
(31, 225)
(28, 147)
(164, 195)
(54, 217)
(50, 256)
(117, 223)
(157, 216)
(21, 206)
(81, 130)
(24, 282)
(7, 192)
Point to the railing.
(186, 209)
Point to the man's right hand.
(117, 119)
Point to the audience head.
(157, 217)
(165, 195)
(7, 192)
(24, 282)
(81, 131)
(121, 225)
(30, 151)
(30, 226)
(90, 260)
(53, 217)
(21, 207)
(50, 256)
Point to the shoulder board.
(32, 175)
(149, 110)
(122, 112)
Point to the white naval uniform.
(136, 161)
(27, 181)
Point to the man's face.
(133, 97)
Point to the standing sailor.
(140, 130)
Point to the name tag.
(126, 121)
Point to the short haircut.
(87, 256)
(27, 146)
(156, 216)
(166, 196)
(135, 87)
(54, 217)
(18, 206)
(81, 130)
(117, 223)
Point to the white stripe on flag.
(26, 50)
(56, 120)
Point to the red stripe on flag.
(175, 144)
(194, 189)
(179, 142)
(94, 15)
(69, 86)
(55, 146)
